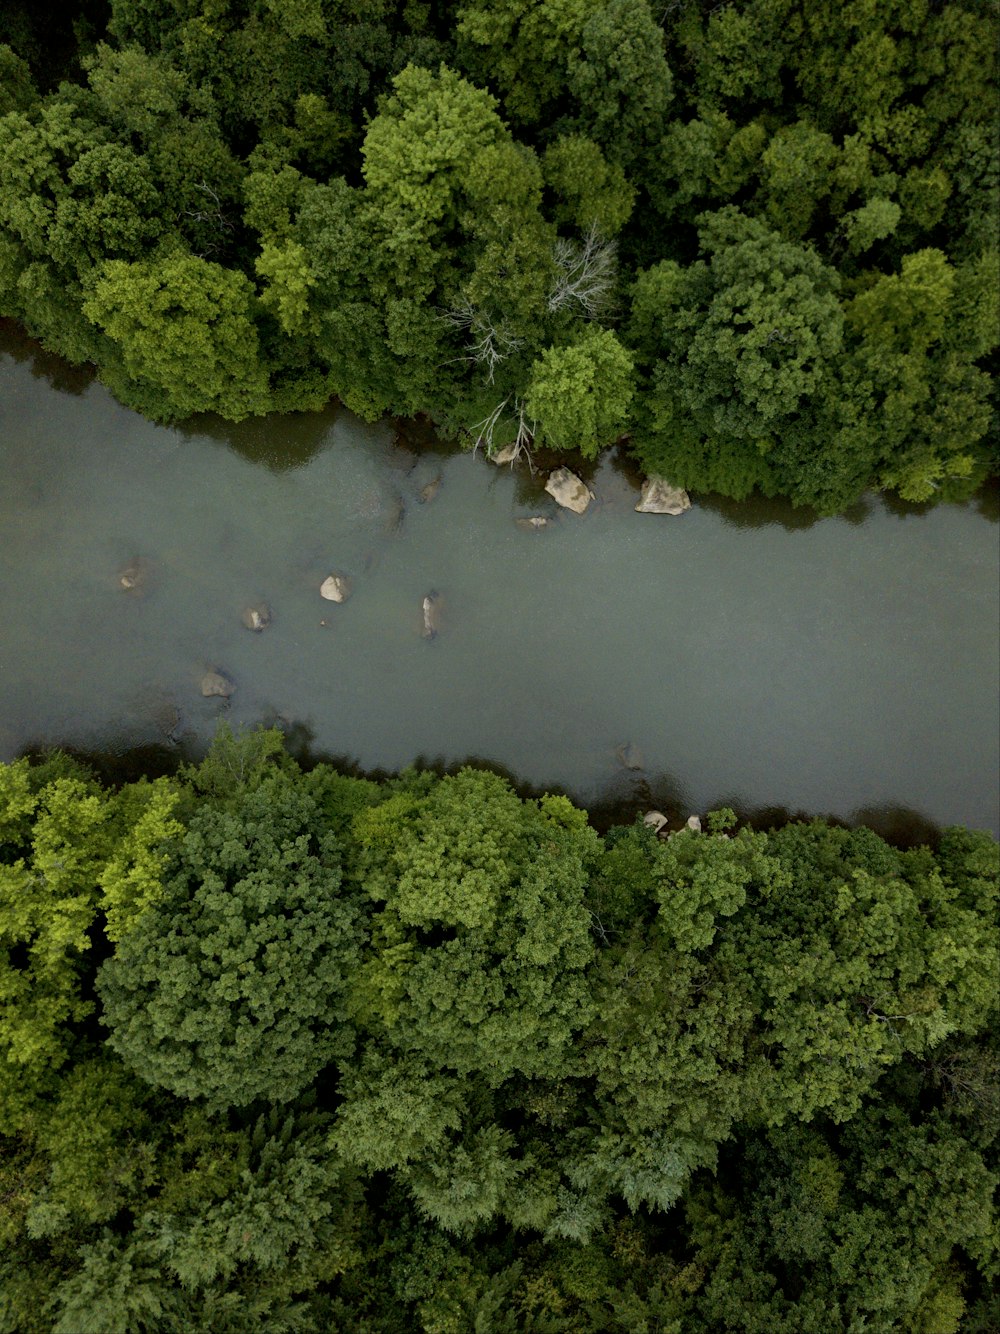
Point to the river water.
(739, 654)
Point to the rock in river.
(506, 455)
(431, 610)
(656, 820)
(428, 492)
(533, 523)
(257, 617)
(629, 756)
(133, 578)
(659, 497)
(693, 823)
(567, 490)
(336, 588)
(216, 683)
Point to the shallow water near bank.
(746, 655)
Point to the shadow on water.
(758, 511)
(900, 826)
(279, 441)
(61, 375)
(621, 801)
(418, 435)
(987, 500)
(115, 768)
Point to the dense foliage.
(760, 238)
(300, 1052)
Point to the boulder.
(567, 490)
(656, 820)
(659, 497)
(506, 455)
(694, 824)
(533, 523)
(257, 617)
(336, 588)
(216, 683)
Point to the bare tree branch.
(491, 341)
(523, 439)
(586, 274)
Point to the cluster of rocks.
(658, 496)
(659, 824)
(257, 616)
(566, 489)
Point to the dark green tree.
(231, 988)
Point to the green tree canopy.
(231, 988)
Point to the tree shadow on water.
(759, 511)
(281, 441)
(61, 375)
(115, 768)
(900, 826)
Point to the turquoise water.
(847, 666)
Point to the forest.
(293, 1050)
(756, 240)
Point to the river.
(738, 654)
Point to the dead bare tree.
(211, 216)
(491, 341)
(585, 275)
(523, 437)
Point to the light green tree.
(579, 392)
(184, 331)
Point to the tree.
(497, 884)
(231, 988)
(416, 154)
(579, 393)
(743, 351)
(183, 329)
(592, 192)
(919, 334)
(54, 838)
(618, 74)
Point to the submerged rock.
(629, 756)
(428, 492)
(659, 497)
(396, 514)
(431, 611)
(533, 523)
(336, 588)
(216, 683)
(134, 577)
(257, 617)
(567, 490)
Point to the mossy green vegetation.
(298, 1051)
(760, 240)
